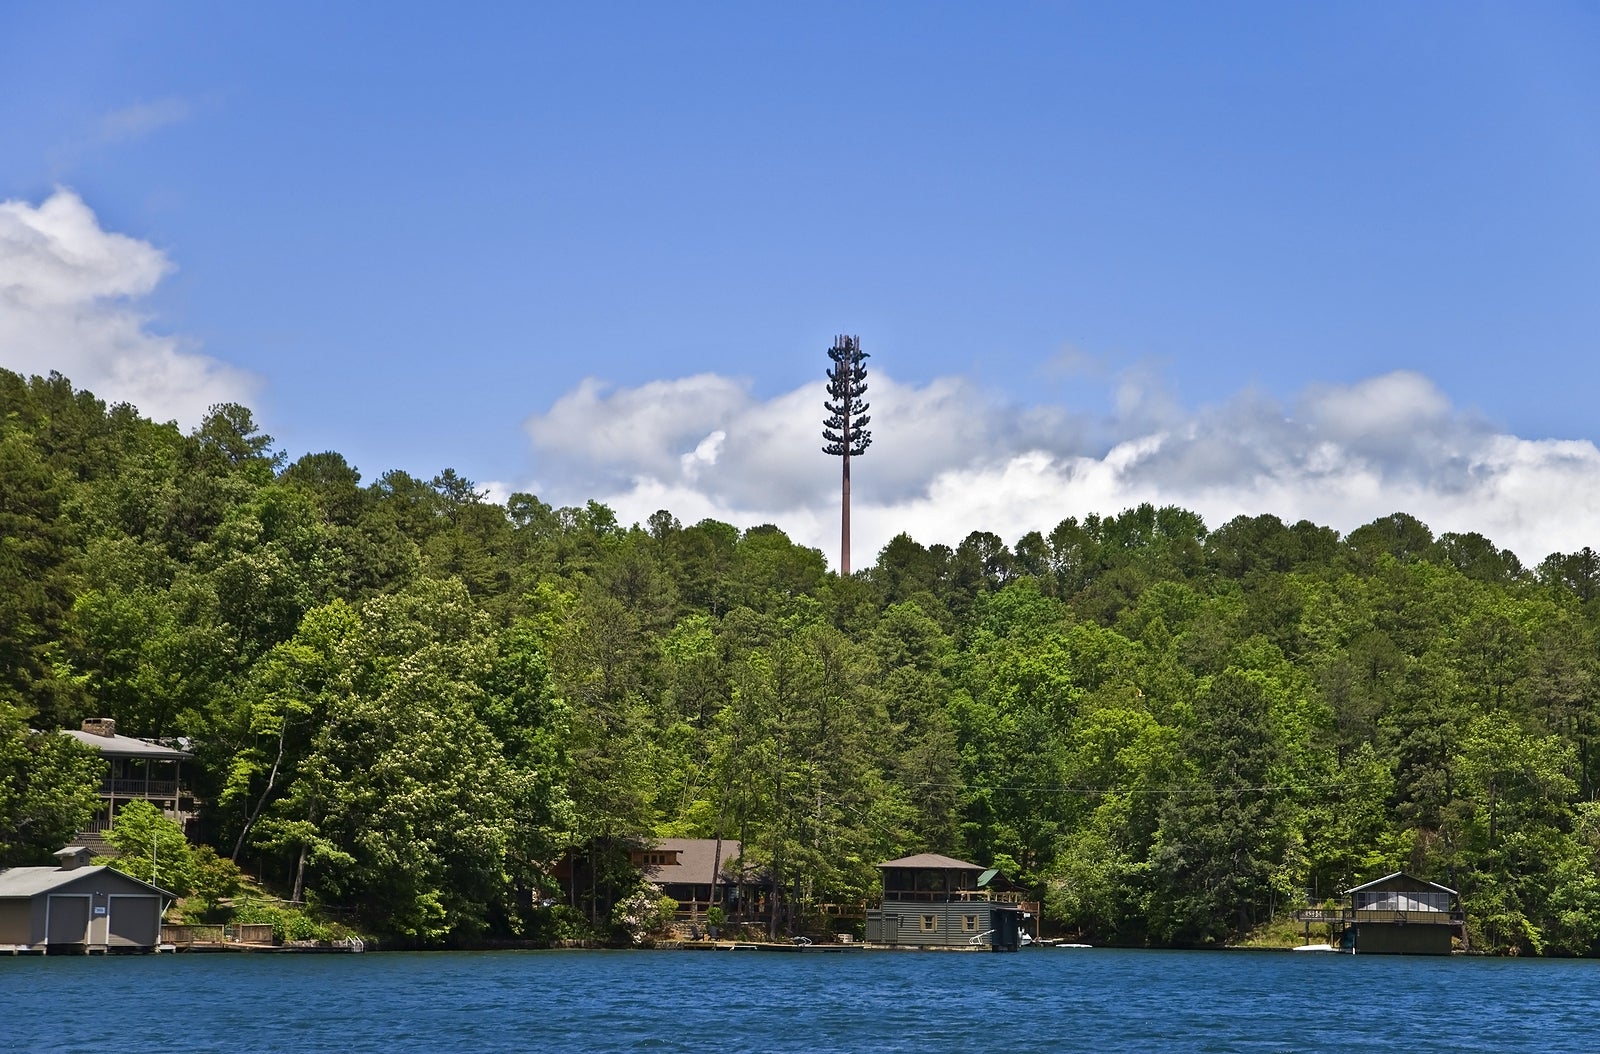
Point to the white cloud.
(69, 293)
(949, 458)
(142, 118)
(644, 429)
(704, 454)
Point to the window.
(969, 924)
(1391, 900)
(650, 858)
(930, 924)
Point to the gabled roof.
(30, 881)
(695, 857)
(115, 746)
(1418, 884)
(933, 860)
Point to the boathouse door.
(135, 920)
(67, 919)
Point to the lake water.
(714, 1002)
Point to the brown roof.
(694, 860)
(932, 860)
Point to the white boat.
(1316, 948)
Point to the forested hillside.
(406, 698)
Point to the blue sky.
(1324, 262)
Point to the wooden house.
(77, 908)
(137, 770)
(593, 876)
(690, 871)
(934, 901)
(1397, 914)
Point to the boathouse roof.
(31, 881)
(1399, 881)
(933, 860)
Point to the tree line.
(407, 699)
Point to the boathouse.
(934, 901)
(78, 908)
(1401, 914)
(1397, 914)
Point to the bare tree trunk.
(261, 803)
(722, 813)
(716, 864)
(296, 897)
(777, 895)
(744, 887)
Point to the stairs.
(95, 842)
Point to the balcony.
(1346, 916)
(946, 896)
(139, 788)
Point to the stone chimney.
(100, 726)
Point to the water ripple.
(1036, 1001)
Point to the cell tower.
(844, 428)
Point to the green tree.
(152, 848)
(49, 789)
(1223, 834)
(36, 561)
(403, 802)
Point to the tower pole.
(844, 513)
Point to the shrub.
(643, 913)
(288, 923)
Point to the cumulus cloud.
(950, 458)
(69, 296)
(741, 451)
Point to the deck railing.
(138, 788)
(242, 932)
(946, 896)
(191, 934)
(1349, 915)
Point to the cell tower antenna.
(845, 426)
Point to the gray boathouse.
(934, 901)
(78, 908)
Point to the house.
(78, 908)
(690, 871)
(138, 770)
(1397, 914)
(934, 901)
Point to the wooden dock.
(754, 946)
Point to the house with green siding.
(934, 901)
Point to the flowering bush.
(643, 912)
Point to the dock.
(754, 946)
